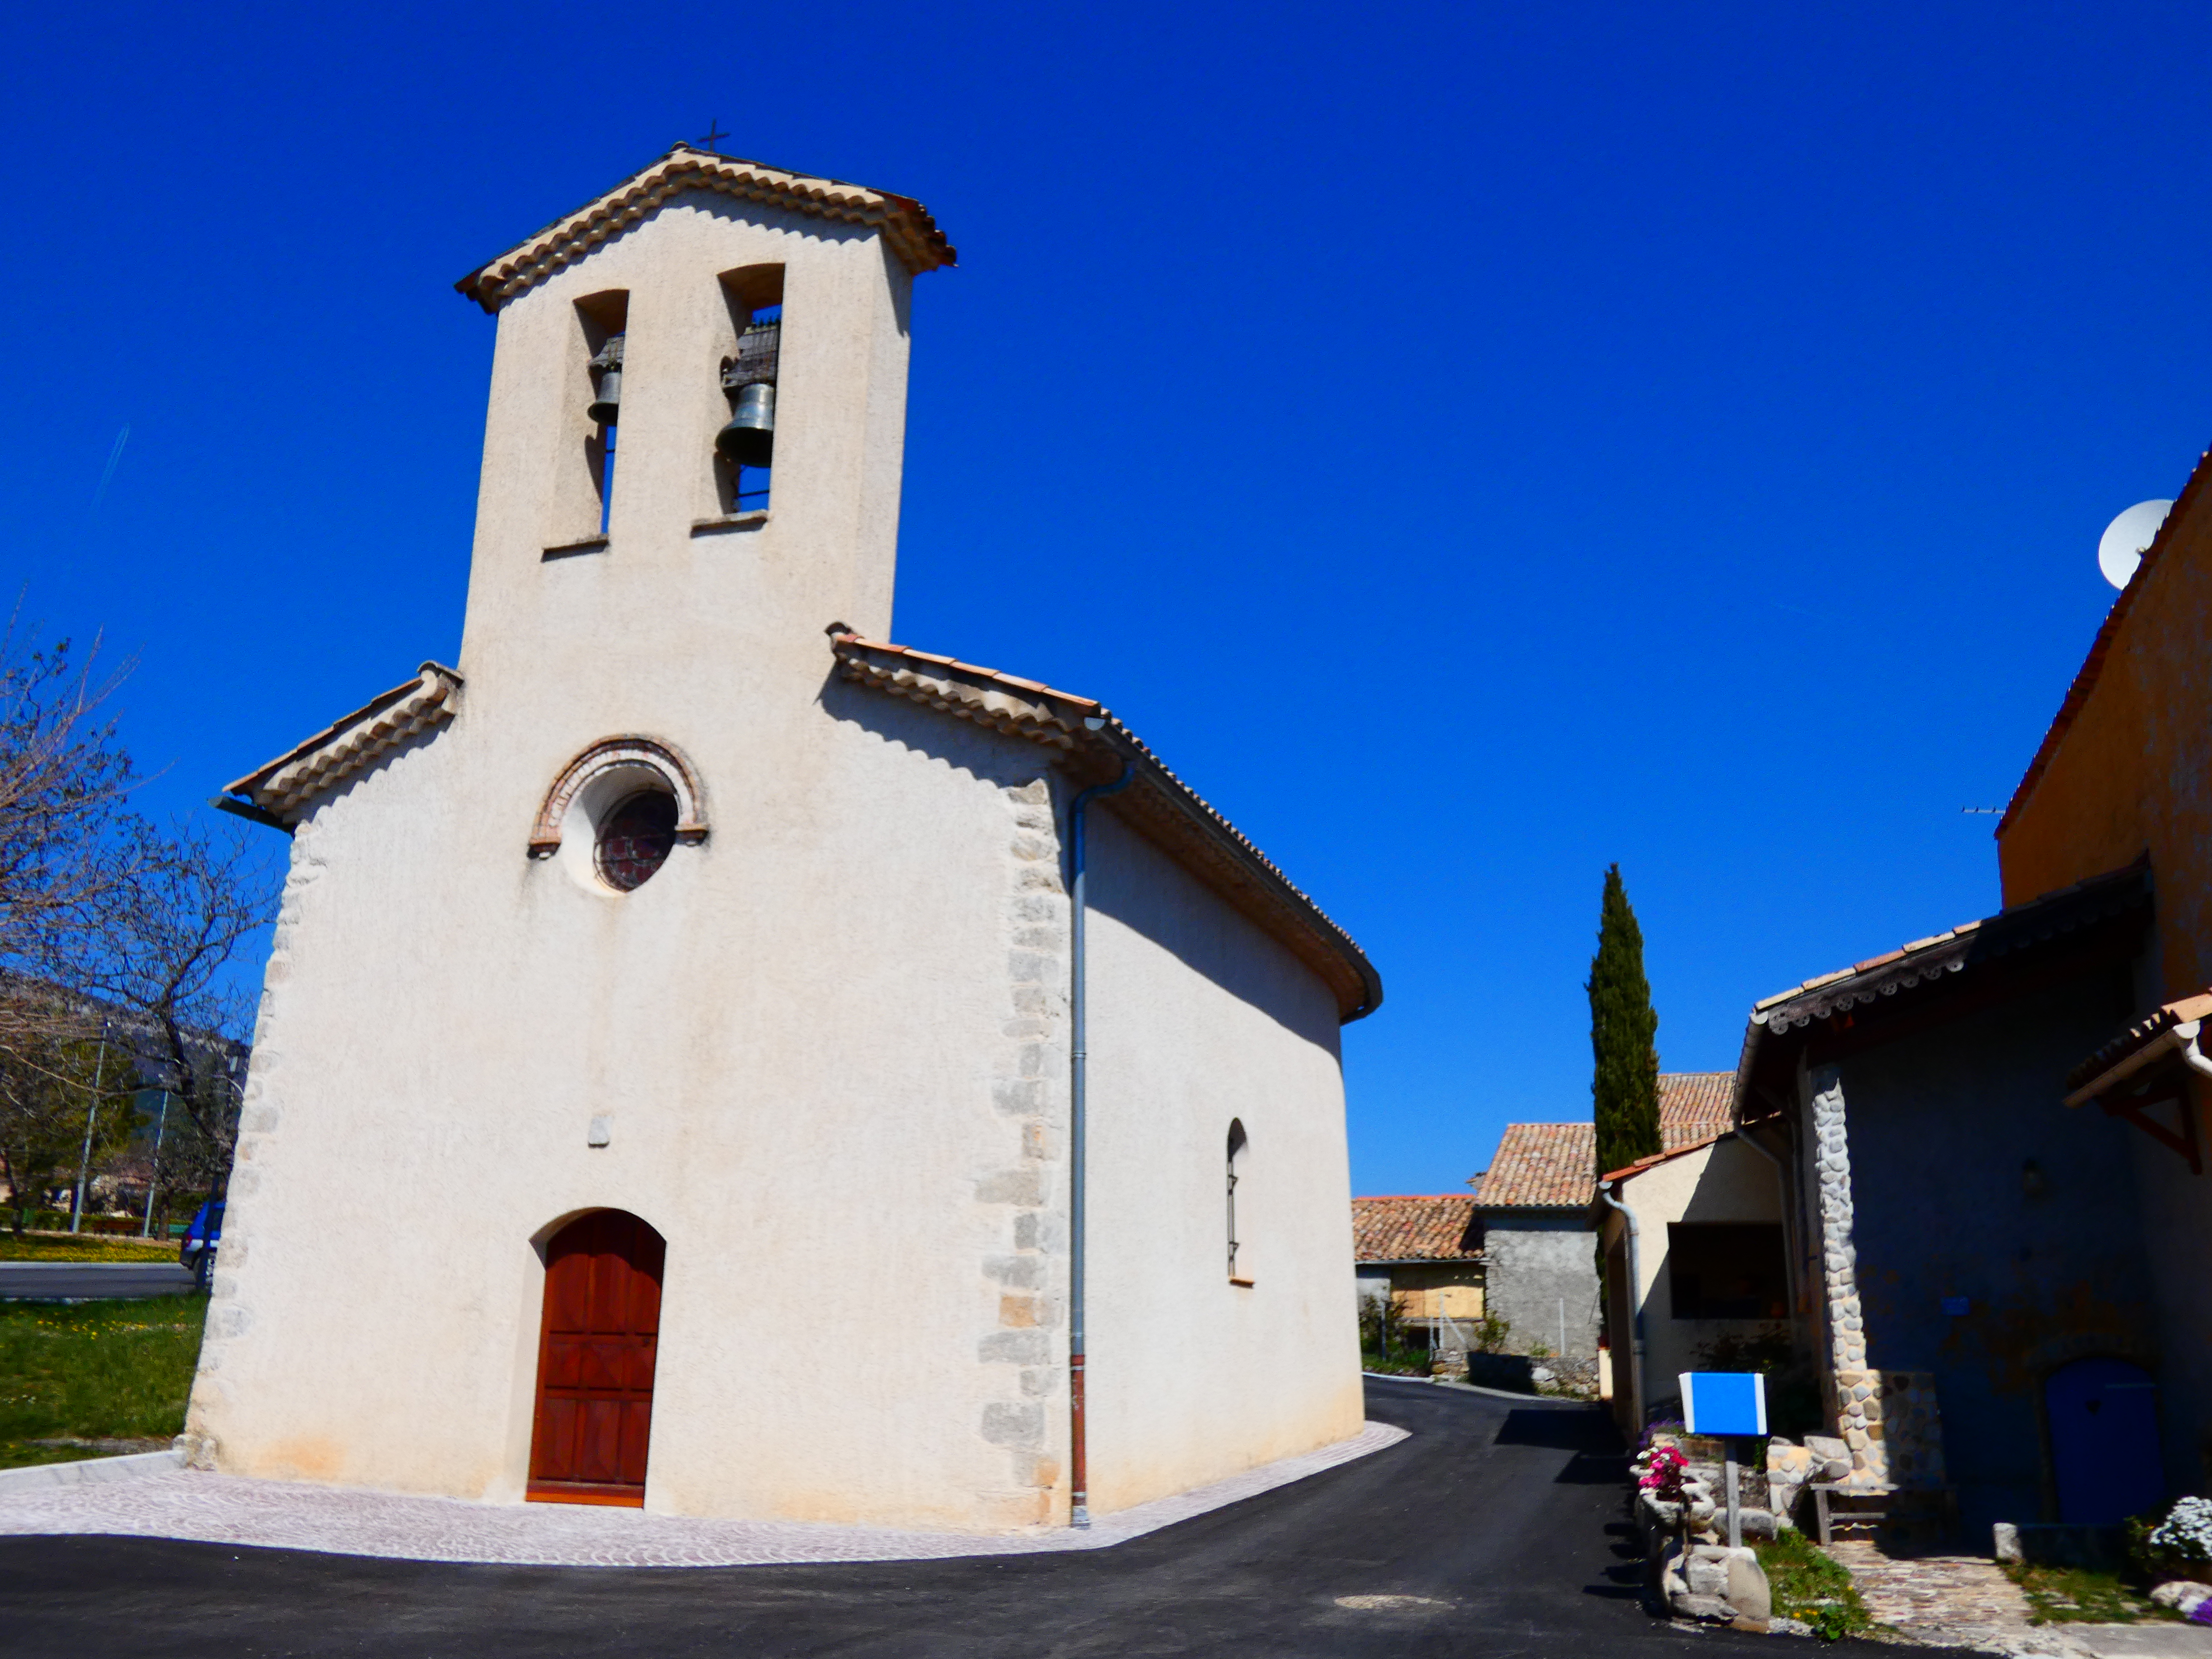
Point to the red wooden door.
(596, 1349)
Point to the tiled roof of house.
(2092, 666)
(1419, 1227)
(1551, 1166)
(1694, 1106)
(1554, 1165)
(2182, 1019)
(903, 223)
(1671, 1152)
(1098, 748)
(1926, 961)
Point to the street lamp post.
(91, 1116)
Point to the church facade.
(661, 1093)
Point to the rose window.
(635, 839)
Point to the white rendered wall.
(1727, 1181)
(1196, 1017)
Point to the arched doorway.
(2103, 1440)
(597, 1342)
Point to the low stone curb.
(1477, 1388)
(90, 1471)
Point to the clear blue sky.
(1471, 443)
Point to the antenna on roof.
(2121, 548)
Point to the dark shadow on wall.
(1135, 882)
(1131, 879)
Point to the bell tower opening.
(586, 496)
(744, 449)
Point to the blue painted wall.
(1941, 1125)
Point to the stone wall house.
(1534, 1202)
(689, 934)
(1424, 1251)
(1540, 1271)
(1966, 1252)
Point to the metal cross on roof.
(713, 133)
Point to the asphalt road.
(1499, 1522)
(53, 1280)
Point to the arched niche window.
(1234, 1167)
(617, 811)
(750, 355)
(592, 399)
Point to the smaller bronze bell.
(606, 407)
(750, 438)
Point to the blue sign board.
(1725, 1402)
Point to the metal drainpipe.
(1634, 1303)
(2193, 1057)
(1078, 1467)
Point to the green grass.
(2069, 1596)
(100, 1370)
(1402, 1362)
(82, 1247)
(1811, 1585)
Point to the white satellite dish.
(2120, 550)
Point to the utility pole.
(154, 1181)
(91, 1116)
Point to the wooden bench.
(1821, 1489)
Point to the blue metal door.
(2103, 1440)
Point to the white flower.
(2188, 1530)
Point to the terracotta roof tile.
(904, 223)
(1643, 1163)
(2140, 1036)
(1695, 1106)
(1542, 1166)
(1554, 1165)
(1098, 748)
(1420, 1227)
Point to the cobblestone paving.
(226, 1509)
(1946, 1601)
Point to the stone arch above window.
(626, 754)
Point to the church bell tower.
(692, 452)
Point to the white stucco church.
(662, 1093)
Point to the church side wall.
(1197, 1018)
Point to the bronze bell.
(750, 438)
(606, 407)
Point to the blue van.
(201, 1233)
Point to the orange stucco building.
(2125, 770)
(2124, 777)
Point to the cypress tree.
(1624, 1037)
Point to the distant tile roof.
(1420, 1227)
(1554, 1165)
(1550, 1166)
(1694, 1106)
